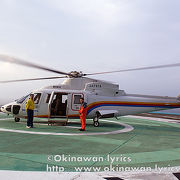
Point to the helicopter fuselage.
(103, 99)
(120, 104)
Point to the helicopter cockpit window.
(77, 99)
(21, 100)
(37, 97)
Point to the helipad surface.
(151, 144)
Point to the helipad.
(150, 144)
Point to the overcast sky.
(91, 36)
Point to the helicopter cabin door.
(75, 103)
(58, 105)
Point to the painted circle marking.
(127, 128)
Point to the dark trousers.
(30, 114)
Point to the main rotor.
(72, 74)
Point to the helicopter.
(104, 99)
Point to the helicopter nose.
(2, 109)
(6, 108)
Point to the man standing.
(30, 111)
(83, 112)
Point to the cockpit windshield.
(21, 100)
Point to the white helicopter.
(104, 99)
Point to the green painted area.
(150, 143)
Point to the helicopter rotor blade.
(10, 59)
(34, 79)
(136, 69)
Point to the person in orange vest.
(30, 111)
(83, 112)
